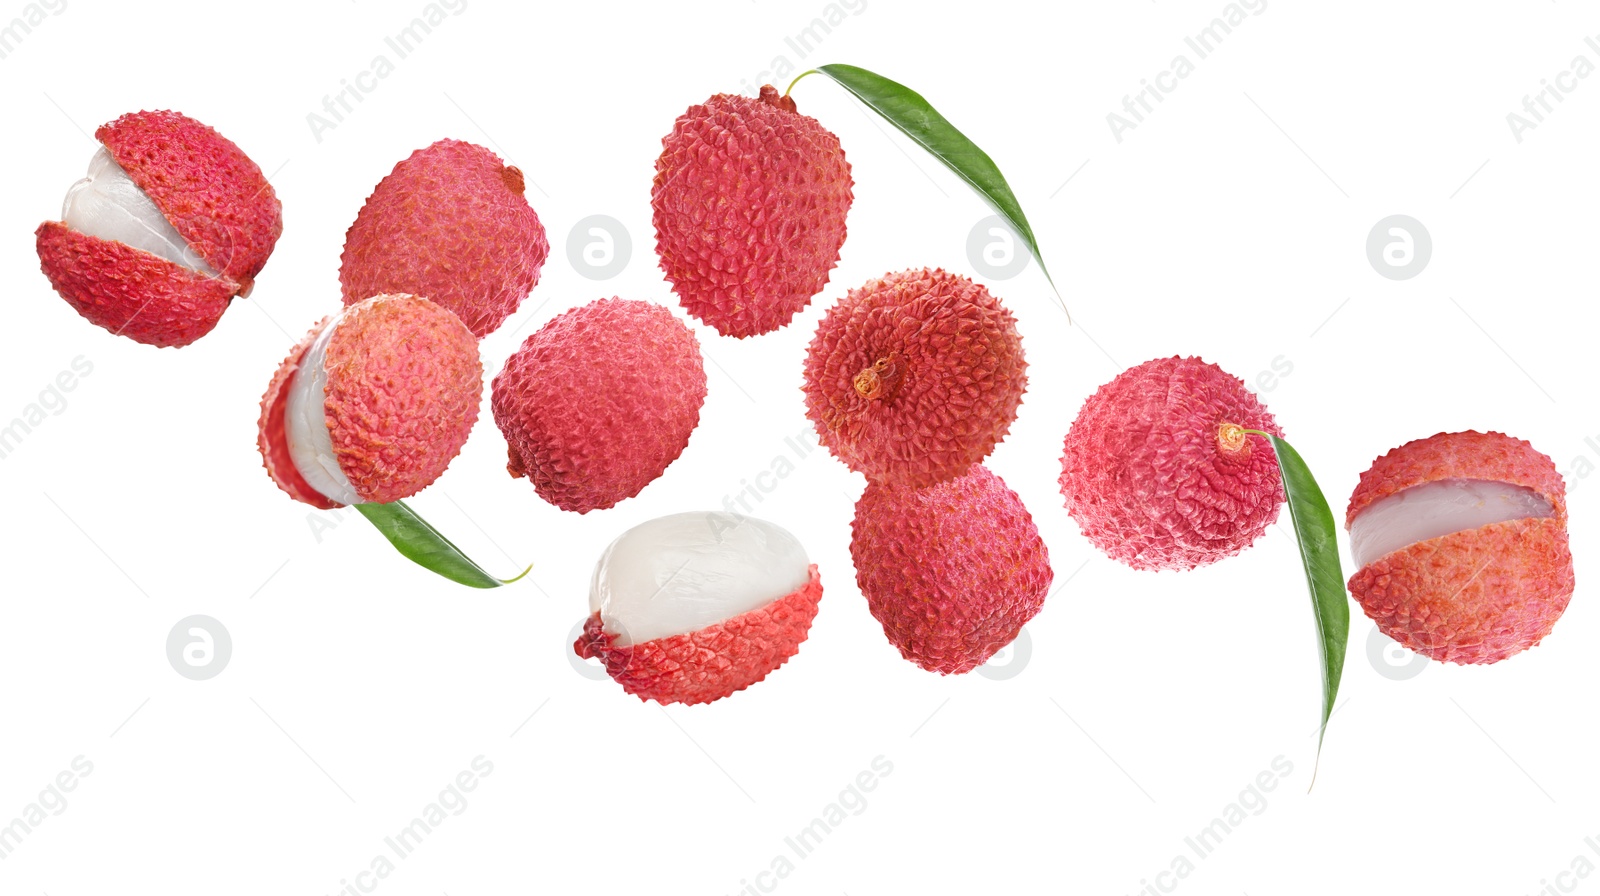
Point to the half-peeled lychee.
(1461, 544)
(172, 221)
(373, 404)
(692, 607)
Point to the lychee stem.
(881, 380)
(515, 182)
(797, 79)
(1231, 438)
(769, 95)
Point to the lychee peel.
(403, 384)
(915, 377)
(452, 223)
(750, 199)
(198, 189)
(711, 663)
(599, 402)
(952, 571)
(1158, 472)
(1481, 594)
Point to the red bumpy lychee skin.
(953, 571)
(1477, 596)
(213, 195)
(1159, 473)
(451, 223)
(915, 377)
(404, 384)
(600, 401)
(714, 662)
(750, 199)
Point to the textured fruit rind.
(211, 192)
(130, 292)
(450, 223)
(750, 200)
(714, 662)
(600, 401)
(1477, 596)
(953, 571)
(954, 378)
(272, 438)
(1145, 478)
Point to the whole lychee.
(952, 571)
(172, 221)
(372, 405)
(1159, 473)
(915, 377)
(692, 607)
(450, 223)
(1461, 544)
(750, 200)
(600, 401)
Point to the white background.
(1230, 224)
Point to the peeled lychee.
(450, 223)
(1159, 473)
(373, 404)
(750, 199)
(172, 221)
(1461, 543)
(692, 607)
(952, 571)
(915, 377)
(600, 401)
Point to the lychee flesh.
(915, 377)
(952, 571)
(1158, 472)
(451, 222)
(693, 607)
(750, 199)
(373, 404)
(1497, 582)
(599, 402)
(172, 221)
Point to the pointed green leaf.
(907, 110)
(1317, 536)
(423, 545)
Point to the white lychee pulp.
(689, 571)
(1435, 509)
(305, 423)
(107, 204)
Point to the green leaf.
(1317, 535)
(907, 110)
(423, 545)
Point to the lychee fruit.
(600, 401)
(692, 607)
(915, 377)
(172, 221)
(750, 199)
(1461, 544)
(372, 405)
(952, 571)
(450, 223)
(1159, 472)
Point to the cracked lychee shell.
(1460, 541)
(694, 607)
(1159, 473)
(451, 223)
(599, 402)
(750, 199)
(915, 377)
(952, 571)
(173, 222)
(372, 405)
